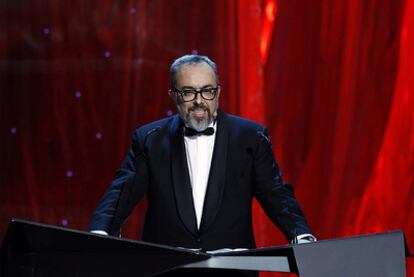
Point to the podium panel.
(33, 249)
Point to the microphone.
(261, 133)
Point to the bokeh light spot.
(46, 31)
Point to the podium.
(33, 249)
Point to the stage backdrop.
(333, 81)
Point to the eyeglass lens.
(191, 94)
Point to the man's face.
(198, 113)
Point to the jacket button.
(199, 240)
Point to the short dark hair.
(190, 59)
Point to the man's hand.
(304, 238)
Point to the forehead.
(195, 75)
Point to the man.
(200, 170)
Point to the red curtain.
(332, 80)
(340, 105)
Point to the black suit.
(243, 167)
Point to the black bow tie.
(189, 132)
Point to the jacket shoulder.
(245, 130)
(155, 126)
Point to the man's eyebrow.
(189, 87)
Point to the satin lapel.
(180, 178)
(217, 174)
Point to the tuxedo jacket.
(242, 167)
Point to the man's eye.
(209, 90)
(187, 92)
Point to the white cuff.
(304, 238)
(99, 232)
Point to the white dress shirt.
(199, 152)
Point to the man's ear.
(171, 94)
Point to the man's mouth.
(199, 113)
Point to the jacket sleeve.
(127, 188)
(275, 196)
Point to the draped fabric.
(340, 106)
(332, 81)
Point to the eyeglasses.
(189, 94)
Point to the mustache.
(198, 108)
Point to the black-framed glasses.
(189, 94)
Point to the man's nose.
(198, 98)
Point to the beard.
(195, 123)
